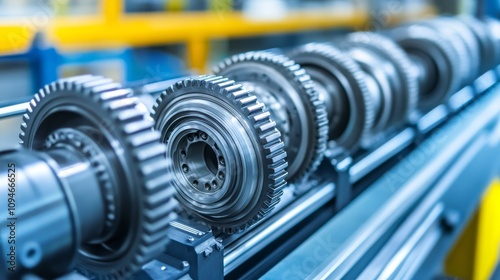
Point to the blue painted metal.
(492, 8)
(353, 239)
(43, 62)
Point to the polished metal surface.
(306, 123)
(86, 130)
(269, 230)
(373, 215)
(13, 110)
(228, 158)
(408, 123)
(403, 85)
(387, 150)
(347, 92)
(427, 49)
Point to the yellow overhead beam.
(15, 37)
(194, 29)
(112, 10)
(160, 28)
(113, 28)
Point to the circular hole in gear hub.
(200, 162)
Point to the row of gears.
(272, 114)
(97, 176)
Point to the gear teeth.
(272, 148)
(265, 129)
(124, 103)
(109, 94)
(430, 36)
(130, 115)
(138, 126)
(142, 145)
(255, 108)
(479, 29)
(400, 60)
(469, 39)
(266, 126)
(143, 138)
(298, 76)
(248, 100)
(329, 52)
(271, 136)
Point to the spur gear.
(81, 140)
(404, 88)
(472, 46)
(228, 159)
(341, 85)
(435, 62)
(290, 95)
(486, 43)
(494, 33)
(105, 181)
(453, 35)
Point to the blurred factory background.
(137, 40)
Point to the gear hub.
(291, 97)
(341, 85)
(94, 188)
(435, 61)
(228, 160)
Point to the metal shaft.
(41, 193)
(425, 70)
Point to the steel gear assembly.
(435, 61)
(461, 37)
(229, 164)
(398, 98)
(94, 189)
(188, 178)
(484, 38)
(493, 27)
(341, 85)
(293, 102)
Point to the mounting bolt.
(208, 252)
(185, 263)
(190, 239)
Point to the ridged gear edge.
(300, 77)
(145, 150)
(430, 35)
(390, 48)
(258, 116)
(330, 52)
(102, 176)
(456, 42)
(471, 43)
(479, 29)
(494, 31)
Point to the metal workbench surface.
(410, 217)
